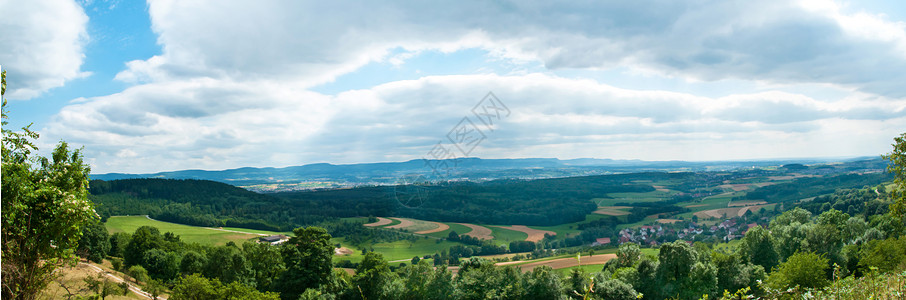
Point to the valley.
(645, 208)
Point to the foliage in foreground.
(874, 286)
(45, 207)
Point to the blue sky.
(169, 85)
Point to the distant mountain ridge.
(325, 175)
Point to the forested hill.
(208, 203)
(195, 202)
(322, 175)
(532, 202)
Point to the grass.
(646, 220)
(363, 220)
(649, 251)
(419, 225)
(392, 222)
(652, 196)
(406, 250)
(396, 250)
(190, 234)
(570, 229)
(730, 246)
(287, 233)
(587, 268)
(505, 236)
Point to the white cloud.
(42, 45)
(227, 92)
(314, 42)
(213, 124)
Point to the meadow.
(189, 234)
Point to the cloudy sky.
(170, 85)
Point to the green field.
(569, 229)
(190, 234)
(419, 225)
(505, 236)
(652, 196)
(288, 233)
(587, 268)
(646, 220)
(396, 250)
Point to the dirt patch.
(736, 187)
(534, 235)
(342, 251)
(718, 213)
(609, 212)
(727, 212)
(561, 263)
(403, 223)
(746, 203)
(380, 222)
(479, 232)
(695, 205)
(440, 227)
(612, 210)
(667, 221)
(743, 210)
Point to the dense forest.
(807, 187)
(197, 202)
(208, 203)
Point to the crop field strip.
(612, 210)
(534, 235)
(440, 227)
(380, 222)
(478, 231)
(403, 223)
(459, 229)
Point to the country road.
(135, 289)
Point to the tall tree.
(758, 248)
(265, 262)
(542, 283)
(803, 269)
(196, 287)
(45, 206)
(145, 238)
(897, 166)
(374, 280)
(95, 242)
(307, 257)
(628, 254)
(682, 274)
(228, 264)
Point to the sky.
(173, 85)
